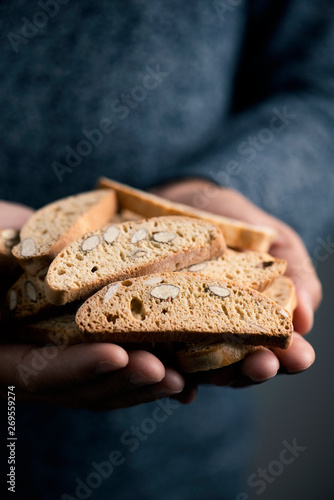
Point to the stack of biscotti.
(237, 234)
(43, 236)
(168, 278)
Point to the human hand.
(265, 363)
(13, 215)
(93, 376)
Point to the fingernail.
(106, 367)
(259, 380)
(137, 378)
(164, 392)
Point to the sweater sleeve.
(278, 146)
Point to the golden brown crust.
(237, 234)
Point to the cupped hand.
(95, 376)
(265, 363)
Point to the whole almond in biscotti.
(255, 269)
(26, 298)
(52, 227)
(183, 307)
(130, 249)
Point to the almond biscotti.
(255, 269)
(8, 239)
(52, 227)
(118, 252)
(212, 355)
(236, 233)
(26, 297)
(179, 306)
(58, 330)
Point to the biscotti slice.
(59, 330)
(237, 234)
(183, 307)
(210, 356)
(283, 292)
(8, 239)
(130, 249)
(52, 227)
(205, 356)
(26, 297)
(254, 269)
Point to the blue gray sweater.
(239, 92)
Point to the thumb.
(289, 246)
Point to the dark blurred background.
(301, 407)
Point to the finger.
(298, 357)
(188, 395)
(13, 215)
(143, 369)
(301, 270)
(41, 369)
(172, 383)
(221, 377)
(260, 365)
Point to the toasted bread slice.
(130, 249)
(178, 306)
(52, 227)
(236, 233)
(254, 269)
